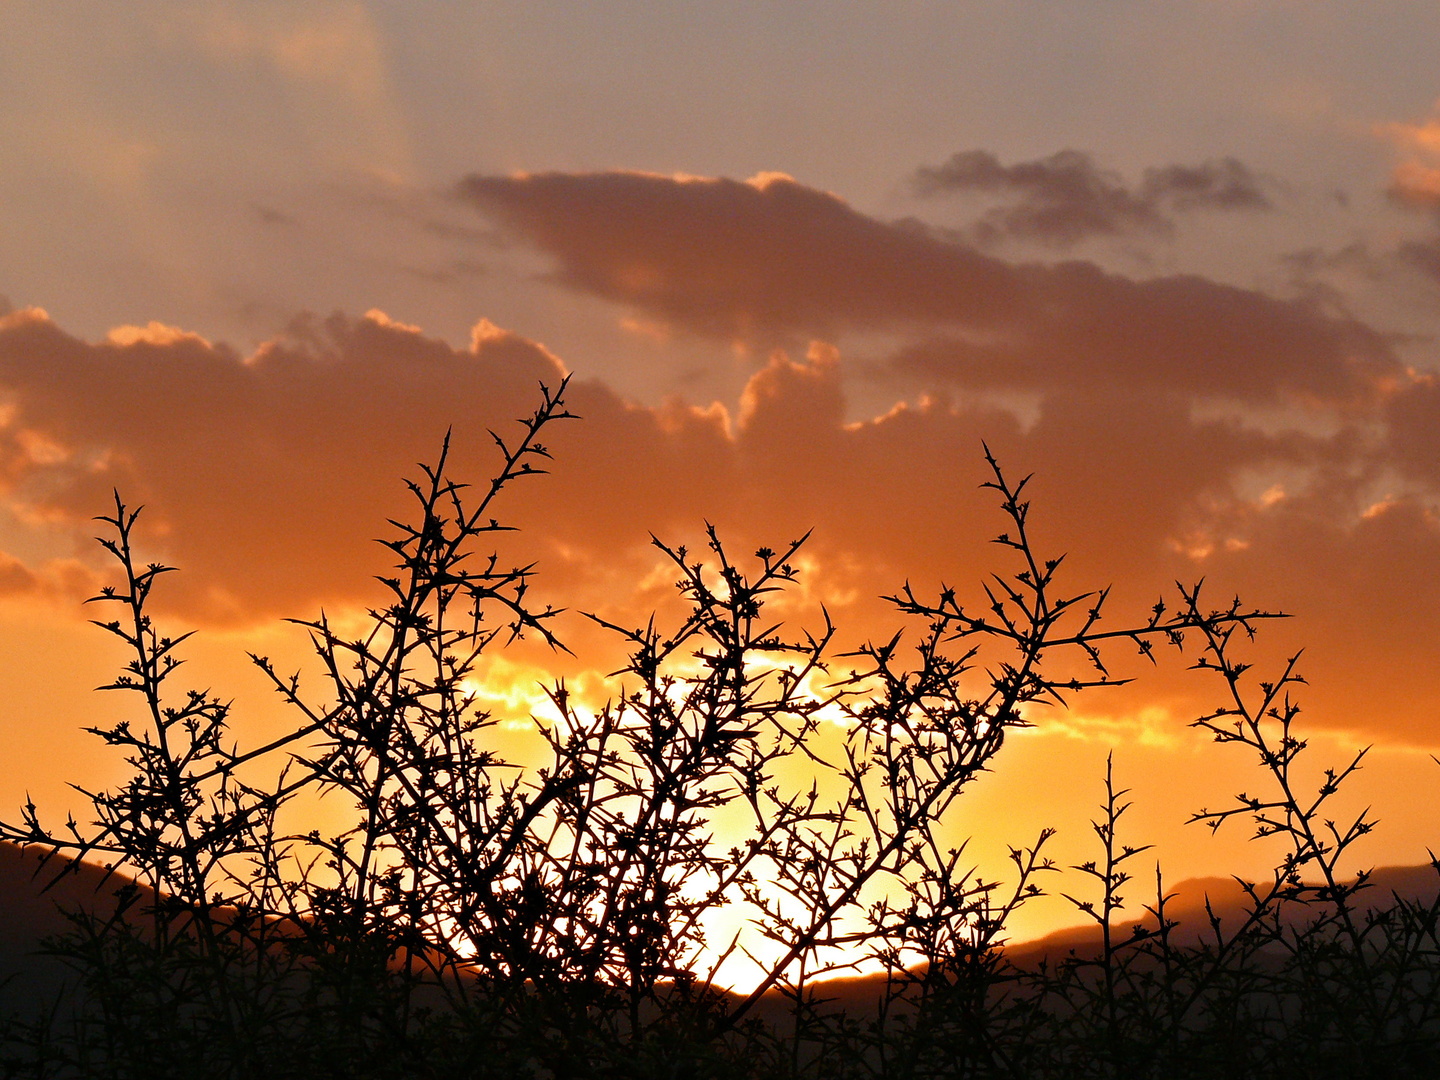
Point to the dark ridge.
(34, 898)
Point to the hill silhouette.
(859, 995)
(34, 899)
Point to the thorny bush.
(481, 919)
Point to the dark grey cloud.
(1422, 255)
(1226, 184)
(1066, 197)
(743, 260)
(268, 215)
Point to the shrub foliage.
(476, 918)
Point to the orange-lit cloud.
(1416, 180)
(1163, 417)
(259, 469)
(266, 475)
(1418, 184)
(1415, 183)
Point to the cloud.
(268, 215)
(325, 63)
(770, 258)
(265, 476)
(1416, 185)
(1415, 181)
(1061, 199)
(1183, 335)
(334, 43)
(15, 577)
(729, 258)
(70, 581)
(245, 459)
(1413, 422)
(1422, 255)
(1226, 184)
(1065, 198)
(1268, 496)
(1150, 425)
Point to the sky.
(1180, 261)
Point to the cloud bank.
(1178, 428)
(770, 256)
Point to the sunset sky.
(1181, 261)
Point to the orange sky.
(1205, 321)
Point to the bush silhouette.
(476, 918)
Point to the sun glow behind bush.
(735, 813)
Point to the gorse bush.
(476, 918)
